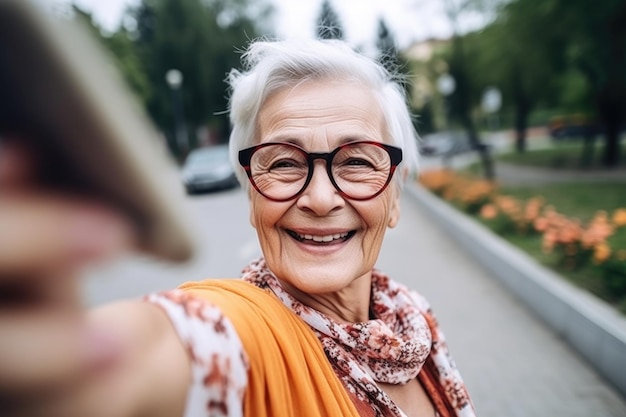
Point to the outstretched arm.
(57, 359)
(151, 376)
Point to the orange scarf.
(289, 372)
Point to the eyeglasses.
(358, 170)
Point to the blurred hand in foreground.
(47, 346)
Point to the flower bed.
(597, 248)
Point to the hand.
(46, 346)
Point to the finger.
(16, 165)
(42, 352)
(61, 292)
(43, 234)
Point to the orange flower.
(601, 253)
(533, 208)
(541, 224)
(488, 211)
(548, 241)
(619, 217)
(437, 179)
(598, 230)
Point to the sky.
(408, 20)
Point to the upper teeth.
(327, 238)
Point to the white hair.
(270, 66)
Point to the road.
(227, 244)
(514, 366)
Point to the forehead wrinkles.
(322, 109)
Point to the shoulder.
(218, 361)
(242, 302)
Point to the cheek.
(385, 213)
(376, 218)
(265, 215)
(257, 213)
(252, 218)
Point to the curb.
(589, 325)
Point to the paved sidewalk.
(512, 363)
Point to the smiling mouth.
(322, 239)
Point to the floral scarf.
(391, 348)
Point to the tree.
(121, 48)
(390, 57)
(200, 39)
(328, 23)
(505, 55)
(387, 49)
(461, 100)
(596, 47)
(584, 38)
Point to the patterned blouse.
(220, 364)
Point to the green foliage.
(122, 51)
(565, 54)
(201, 39)
(575, 199)
(583, 44)
(122, 47)
(563, 156)
(582, 200)
(390, 57)
(604, 276)
(614, 269)
(517, 58)
(328, 23)
(387, 50)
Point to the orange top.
(289, 373)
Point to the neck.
(349, 305)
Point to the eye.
(285, 163)
(357, 162)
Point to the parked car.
(207, 169)
(435, 144)
(444, 143)
(573, 126)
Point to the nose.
(320, 196)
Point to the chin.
(321, 278)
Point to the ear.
(252, 222)
(394, 211)
(251, 208)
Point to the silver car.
(207, 169)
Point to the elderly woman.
(324, 139)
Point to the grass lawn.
(575, 199)
(563, 155)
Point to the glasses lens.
(279, 171)
(361, 170)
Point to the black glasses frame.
(245, 156)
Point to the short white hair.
(270, 66)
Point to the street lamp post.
(491, 103)
(174, 79)
(446, 84)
